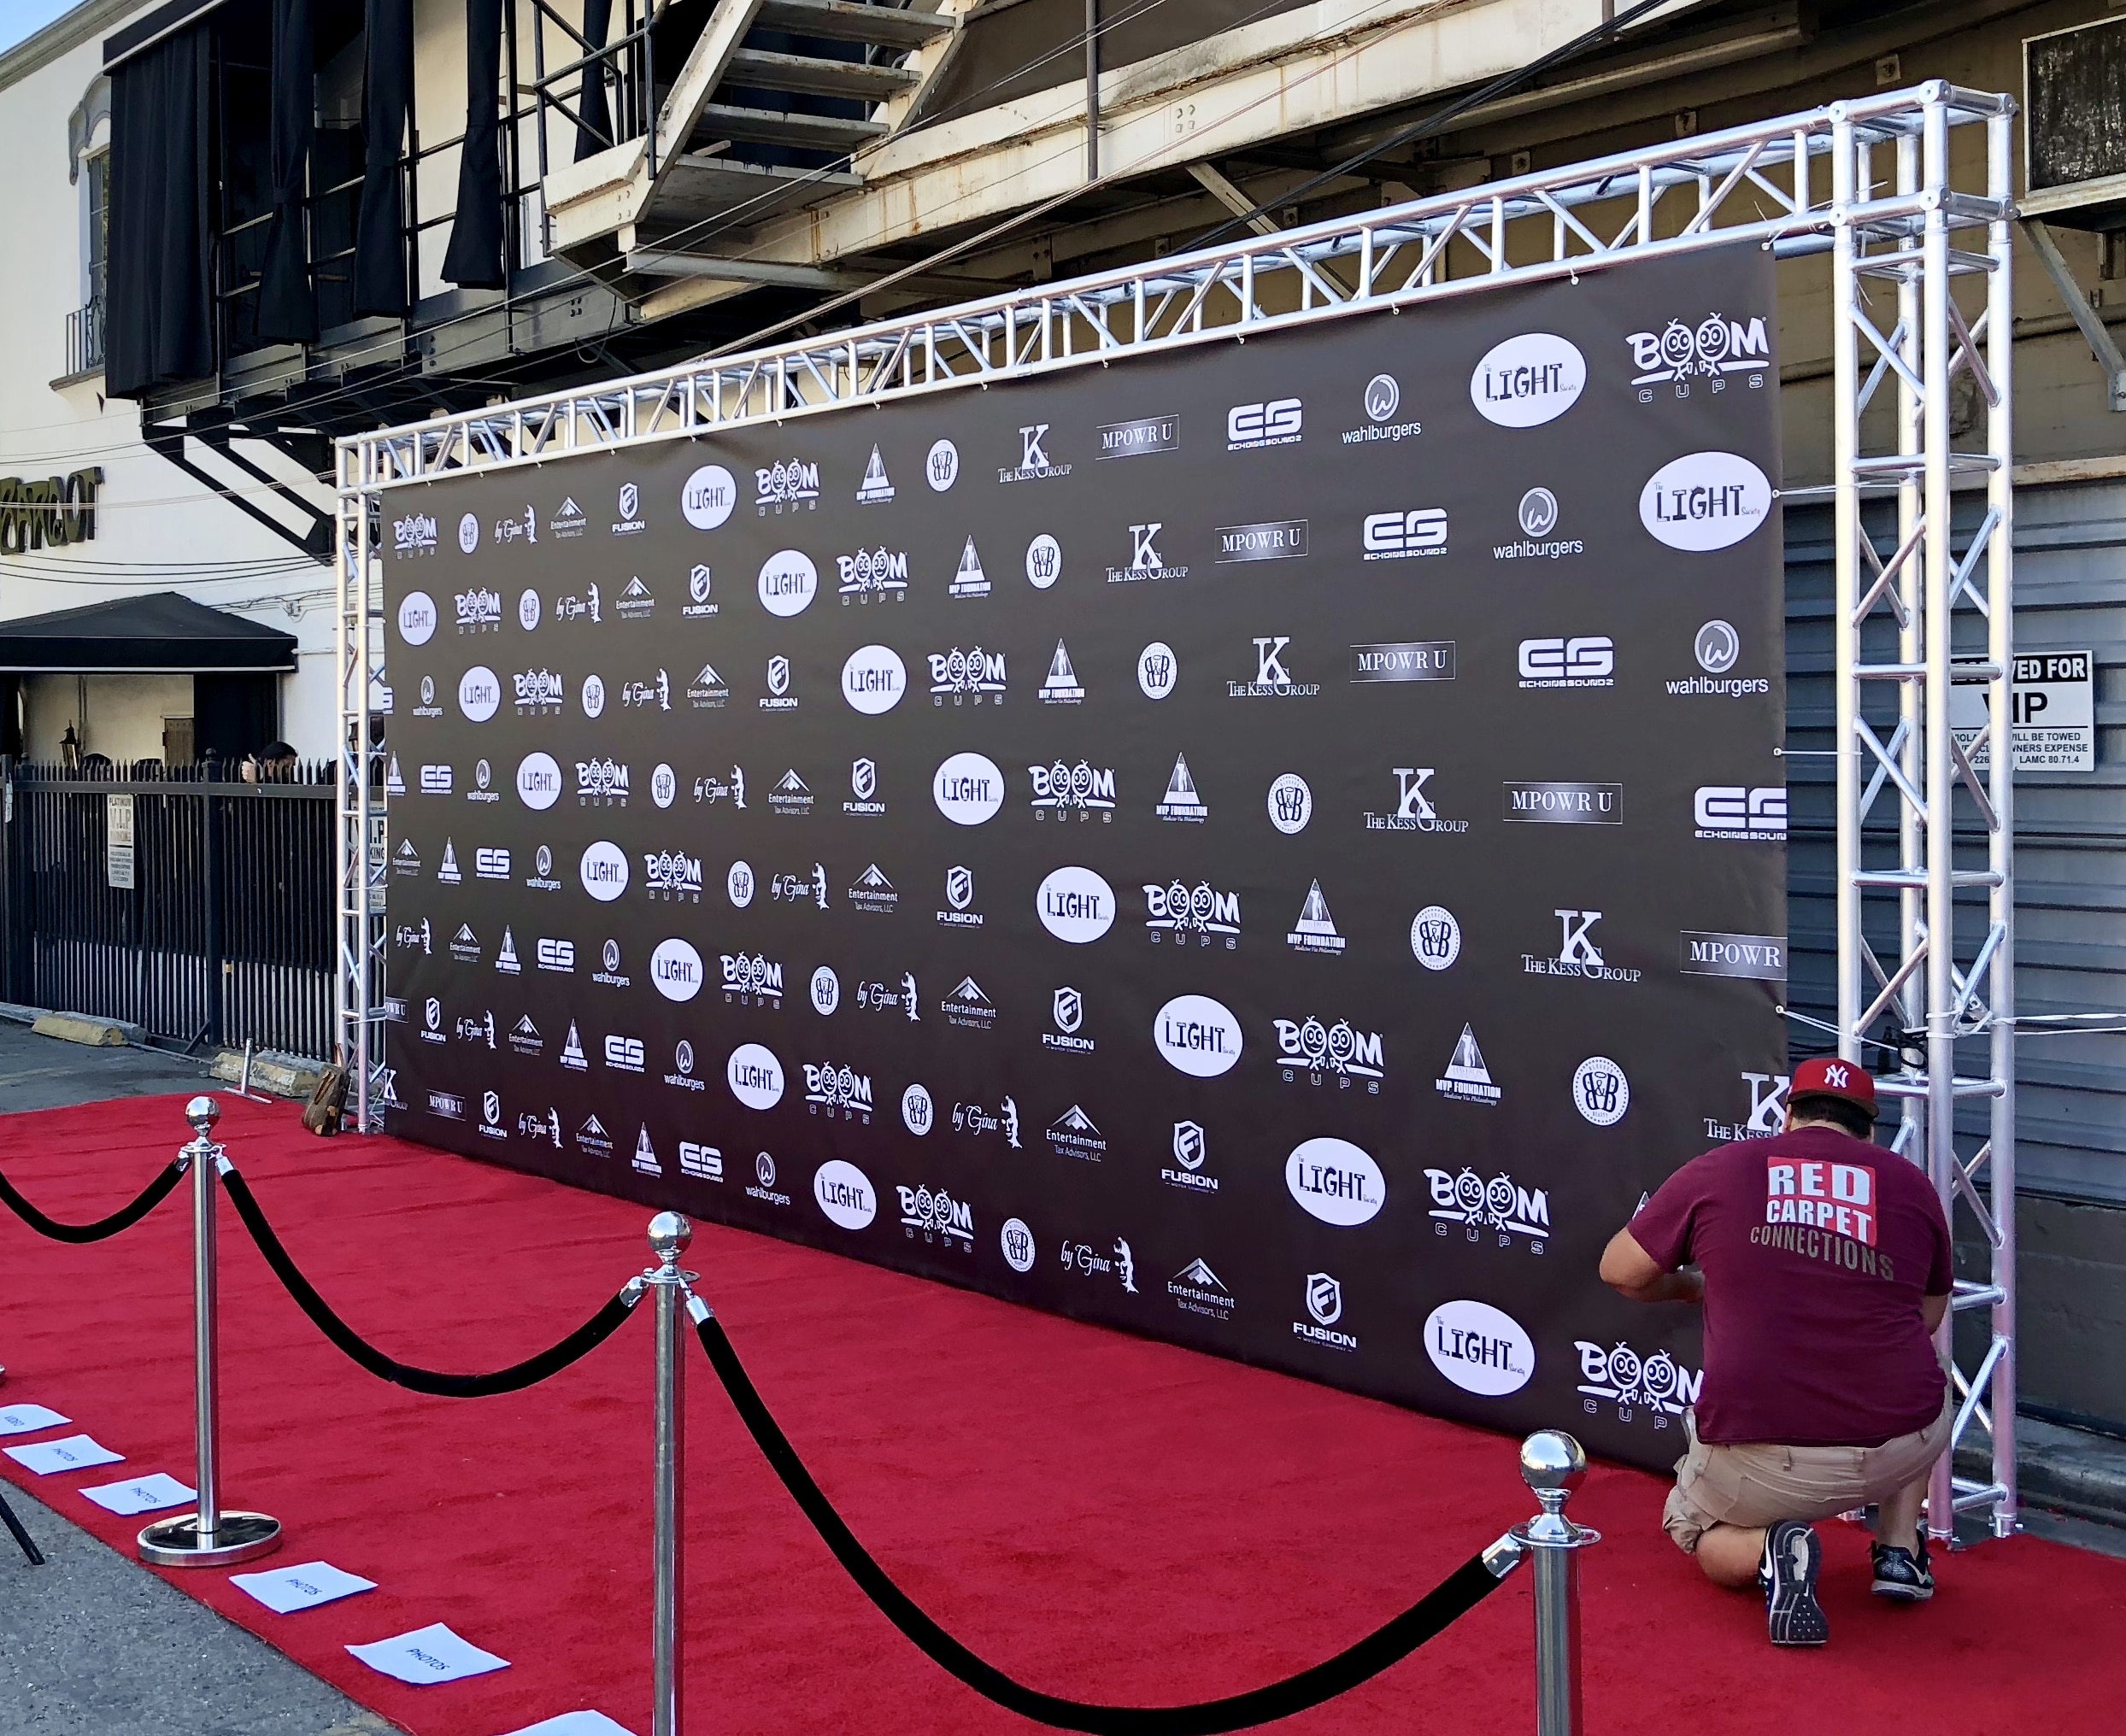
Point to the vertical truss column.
(359, 931)
(1943, 601)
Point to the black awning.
(145, 32)
(162, 634)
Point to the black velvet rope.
(529, 1372)
(1460, 1592)
(124, 1218)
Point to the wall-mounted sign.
(118, 841)
(2053, 697)
(49, 511)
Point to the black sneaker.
(1793, 1558)
(1901, 1574)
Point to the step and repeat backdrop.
(1276, 845)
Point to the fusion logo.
(1337, 1052)
(1717, 648)
(1034, 464)
(601, 783)
(788, 583)
(1761, 958)
(1072, 1135)
(417, 618)
(1565, 804)
(1497, 1205)
(1414, 810)
(873, 679)
(1196, 1289)
(1382, 399)
(1158, 670)
(1481, 1349)
(603, 871)
(875, 488)
(540, 693)
(1415, 534)
(708, 497)
(941, 466)
(1083, 789)
(1177, 913)
(751, 980)
(939, 1218)
(1538, 518)
(1467, 1079)
(700, 582)
(1181, 801)
(1601, 1091)
(414, 535)
(1191, 1150)
(779, 697)
(1062, 686)
(873, 893)
(966, 678)
(1316, 929)
(1336, 1181)
(968, 580)
(1274, 422)
(480, 694)
(792, 797)
(1583, 662)
(838, 1092)
(630, 502)
(624, 1054)
(701, 1162)
(1740, 813)
(671, 877)
(1711, 351)
(567, 521)
(1017, 1243)
(762, 1186)
(873, 575)
(1578, 955)
(1139, 438)
(863, 790)
(1273, 679)
(479, 611)
(960, 896)
(1417, 660)
(966, 1005)
(789, 485)
(1197, 1035)
(1044, 561)
(708, 691)
(1291, 804)
(1621, 1377)
(1145, 560)
(1066, 1007)
(1076, 906)
(1704, 501)
(968, 789)
(639, 694)
(1324, 1310)
(579, 608)
(755, 1076)
(1528, 380)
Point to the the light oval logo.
(1704, 501)
(968, 789)
(1528, 380)
(538, 781)
(755, 1077)
(603, 871)
(1198, 1036)
(788, 581)
(709, 496)
(417, 618)
(1076, 904)
(844, 1192)
(873, 679)
(1336, 1181)
(1480, 1348)
(479, 693)
(676, 968)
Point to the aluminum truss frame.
(1890, 186)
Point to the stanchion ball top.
(203, 1112)
(669, 1235)
(1552, 1459)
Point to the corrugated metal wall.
(2070, 829)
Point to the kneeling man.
(1822, 1262)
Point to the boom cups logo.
(1621, 1377)
(1500, 1206)
(1714, 350)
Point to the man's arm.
(1630, 1270)
(1931, 1309)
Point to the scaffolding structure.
(1909, 192)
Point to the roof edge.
(64, 34)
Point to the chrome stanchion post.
(208, 1537)
(1553, 1464)
(669, 1236)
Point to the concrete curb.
(95, 1033)
(2067, 1470)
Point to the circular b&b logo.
(1291, 804)
(1435, 937)
(1601, 1091)
(1157, 669)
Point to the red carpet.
(1105, 1517)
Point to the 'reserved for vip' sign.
(1277, 846)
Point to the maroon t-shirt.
(1816, 1249)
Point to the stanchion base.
(237, 1537)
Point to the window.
(96, 187)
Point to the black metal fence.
(225, 932)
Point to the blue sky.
(21, 18)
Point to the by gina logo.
(1528, 380)
(709, 497)
(1704, 501)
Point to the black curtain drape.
(287, 300)
(594, 131)
(387, 88)
(474, 259)
(233, 715)
(160, 313)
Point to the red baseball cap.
(1826, 1075)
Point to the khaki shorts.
(1753, 1485)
